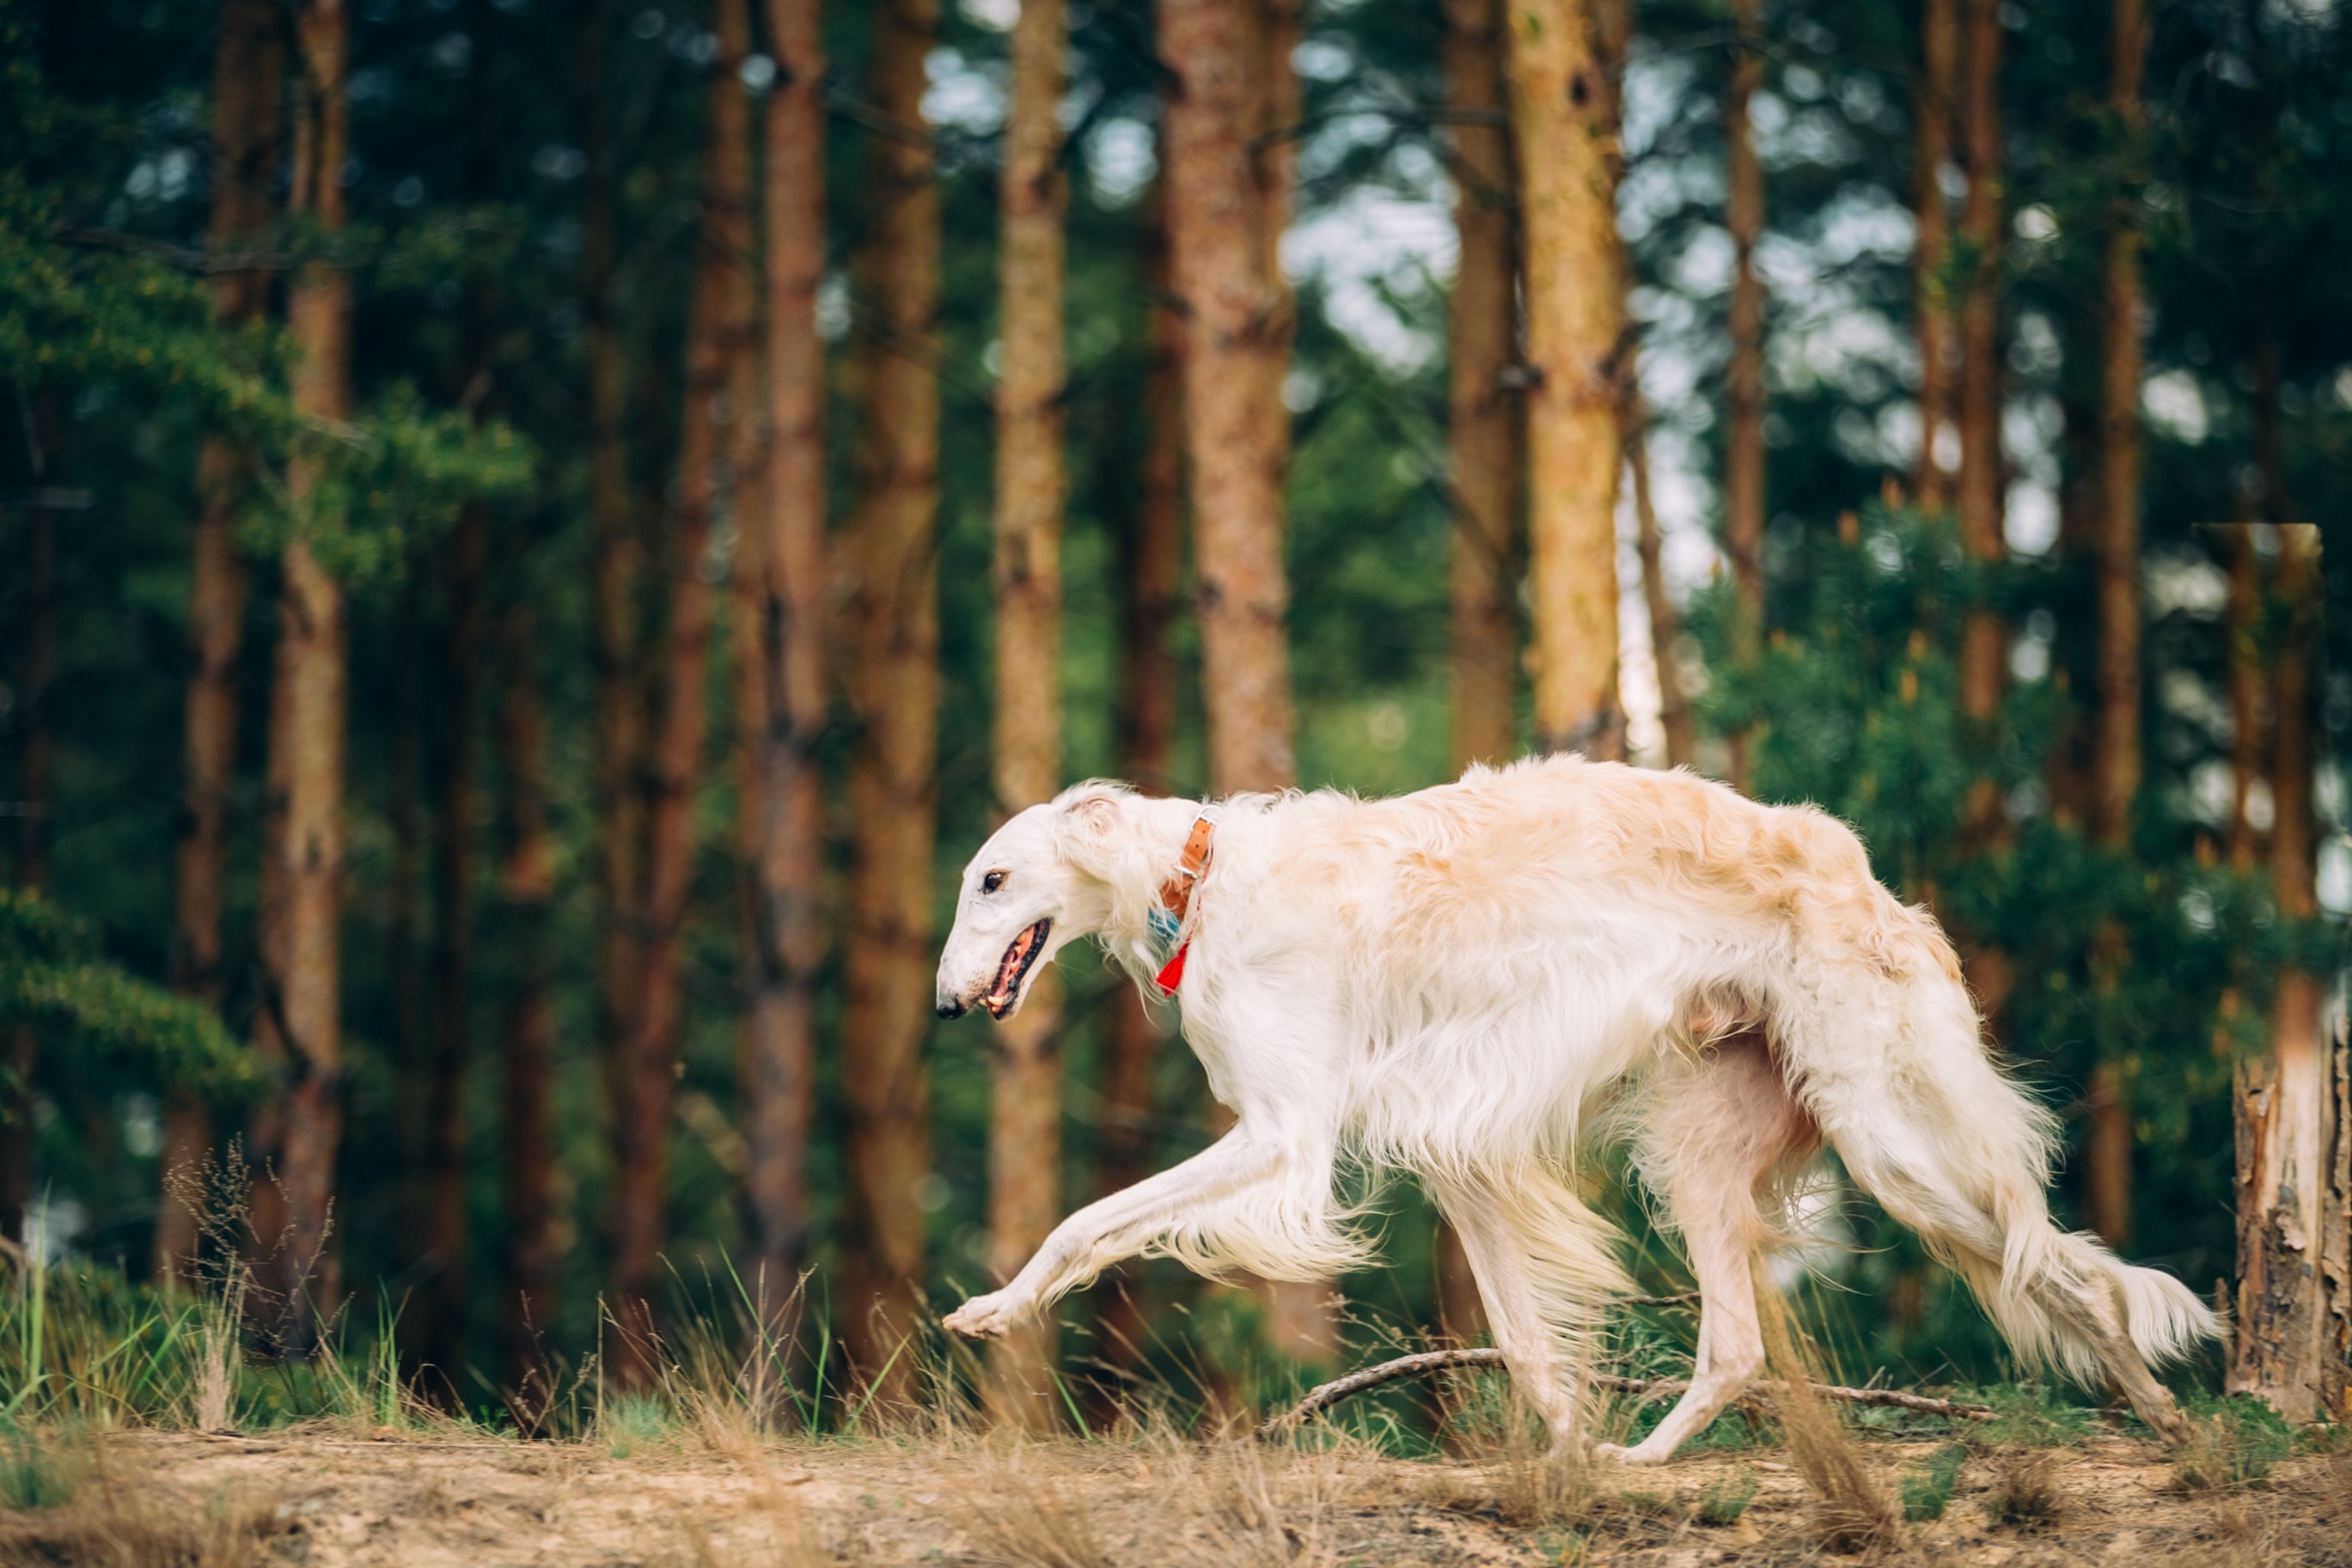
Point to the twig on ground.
(1324, 1396)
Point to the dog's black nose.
(950, 1009)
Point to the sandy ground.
(337, 1501)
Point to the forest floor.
(330, 1501)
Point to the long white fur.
(1478, 983)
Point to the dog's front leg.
(1121, 1226)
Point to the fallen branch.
(1324, 1396)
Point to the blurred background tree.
(593, 415)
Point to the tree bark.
(894, 773)
(1483, 414)
(1562, 101)
(527, 897)
(303, 949)
(1743, 477)
(784, 548)
(714, 314)
(440, 1306)
(1024, 1137)
(617, 641)
(2294, 1179)
(249, 91)
(1983, 655)
(1228, 174)
(1666, 627)
(2116, 767)
(406, 923)
(2118, 757)
(1215, 223)
(1483, 431)
(1934, 114)
(2248, 701)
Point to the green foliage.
(94, 1019)
(1927, 1488)
(86, 305)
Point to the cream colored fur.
(1479, 983)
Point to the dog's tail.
(1963, 1155)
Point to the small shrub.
(2025, 1490)
(2231, 1443)
(1723, 1499)
(1927, 1490)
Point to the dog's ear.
(1086, 819)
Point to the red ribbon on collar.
(1176, 898)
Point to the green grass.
(2029, 1416)
(40, 1471)
(1927, 1488)
(2232, 1443)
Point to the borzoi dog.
(1477, 982)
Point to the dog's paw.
(984, 1317)
(1618, 1454)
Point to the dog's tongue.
(1008, 973)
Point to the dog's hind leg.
(1544, 1265)
(1716, 1141)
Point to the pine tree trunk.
(440, 1304)
(1025, 1064)
(2115, 765)
(1150, 573)
(2241, 623)
(2295, 1179)
(249, 91)
(1666, 627)
(309, 713)
(1743, 477)
(1934, 112)
(893, 785)
(1483, 415)
(1225, 208)
(527, 899)
(2119, 758)
(618, 642)
(714, 313)
(787, 543)
(405, 959)
(1216, 218)
(1983, 655)
(1562, 102)
(1484, 433)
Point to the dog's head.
(1036, 886)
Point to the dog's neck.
(1157, 829)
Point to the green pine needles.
(94, 1019)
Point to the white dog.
(1478, 981)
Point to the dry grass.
(1852, 1506)
(326, 1499)
(2025, 1491)
(123, 1516)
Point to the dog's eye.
(993, 882)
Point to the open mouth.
(1014, 972)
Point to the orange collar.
(1176, 898)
